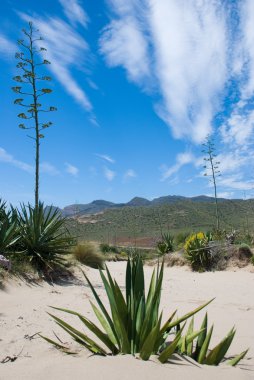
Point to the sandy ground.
(23, 310)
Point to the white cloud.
(74, 12)
(236, 182)
(9, 159)
(130, 173)
(123, 44)
(109, 174)
(181, 160)
(71, 169)
(105, 157)
(66, 49)
(48, 168)
(7, 47)
(182, 47)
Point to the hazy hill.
(102, 205)
(131, 222)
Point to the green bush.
(86, 253)
(166, 244)
(134, 326)
(181, 238)
(197, 252)
(106, 248)
(244, 252)
(252, 259)
(44, 238)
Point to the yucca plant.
(196, 345)
(44, 237)
(134, 326)
(9, 234)
(166, 244)
(197, 251)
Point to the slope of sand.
(23, 313)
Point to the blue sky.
(138, 85)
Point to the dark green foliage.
(43, 237)
(166, 244)
(9, 232)
(244, 251)
(106, 248)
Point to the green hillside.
(137, 223)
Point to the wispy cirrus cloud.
(66, 48)
(181, 49)
(7, 47)
(48, 168)
(129, 174)
(105, 157)
(71, 169)
(109, 174)
(9, 159)
(181, 160)
(74, 12)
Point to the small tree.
(212, 170)
(29, 62)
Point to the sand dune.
(23, 313)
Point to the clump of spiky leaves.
(196, 345)
(44, 238)
(197, 252)
(134, 326)
(86, 253)
(9, 233)
(166, 244)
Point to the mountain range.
(98, 206)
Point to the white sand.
(23, 313)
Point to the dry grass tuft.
(86, 253)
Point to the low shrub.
(134, 324)
(86, 253)
(244, 252)
(197, 252)
(252, 259)
(106, 248)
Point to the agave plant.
(134, 325)
(9, 234)
(44, 237)
(166, 244)
(196, 345)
